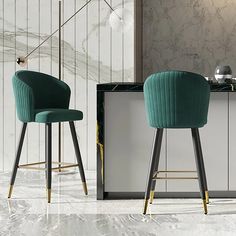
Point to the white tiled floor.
(72, 213)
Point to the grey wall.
(193, 35)
(92, 53)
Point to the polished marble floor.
(71, 213)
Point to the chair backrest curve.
(176, 99)
(35, 90)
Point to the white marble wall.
(193, 35)
(92, 53)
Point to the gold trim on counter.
(101, 153)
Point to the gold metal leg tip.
(10, 191)
(207, 197)
(151, 197)
(85, 188)
(205, 206)
(145, 206)
(49, 195)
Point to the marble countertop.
(138, 87)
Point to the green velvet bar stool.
(42, 98)
(176, 100)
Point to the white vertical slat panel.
(54, 66)
(93, 78)
(69, 78)
(217, 156)
(45, 30)
(232, 147)
(33, 64)
(54, 39)
(62, 73)
(15, 65)
(1, 86)
(128, 48)
(98, 58)
(21, 50)
(50, 32)
(45, 58)
(81, 102)
(122, 47)
(117, 50)
(9, 69)
(75, 64)
(179, 146)
(105, 44)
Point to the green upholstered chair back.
(34, 90)
(176, 99)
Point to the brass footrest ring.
(63, 165)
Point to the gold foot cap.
(49, 195)
(145, 206)
(10, 191)
(207, 197)
(204, 206)
(85, 188)
(151, 197)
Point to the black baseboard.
(140, 195)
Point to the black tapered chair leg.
(203, 168)
(153, 165)
(200, 167)
(48, 155)
(78, 156)
(152, 192)
(16, 163)
(205, 181)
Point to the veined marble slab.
(72, 213)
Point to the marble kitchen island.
(124, 143)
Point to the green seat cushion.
(57, 115)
